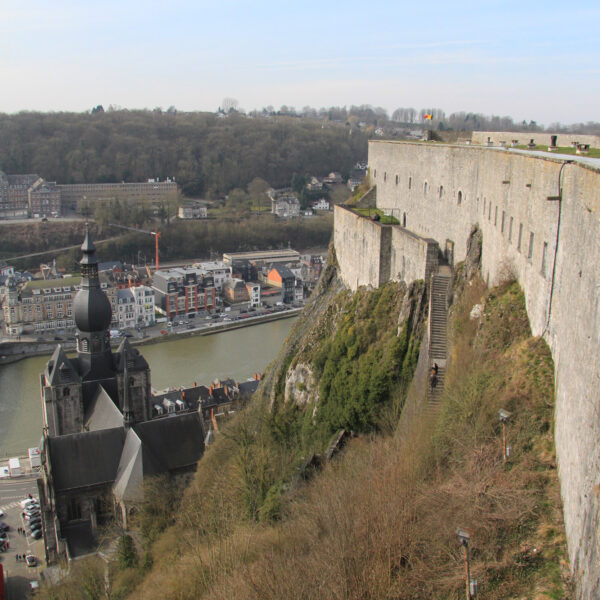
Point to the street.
(17, 573)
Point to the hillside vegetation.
(264, 520)
(207, 155)
(179, 239)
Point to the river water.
(238, 354)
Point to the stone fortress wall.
(539, 137)
(439, 192)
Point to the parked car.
(36, 534)
(4, 526)
(30, 560)
(25, 503)
(35, 523)
(34, 515)
(1, 513)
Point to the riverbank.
(11, 352)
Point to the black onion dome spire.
(91, 307)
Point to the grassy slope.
(379, 521)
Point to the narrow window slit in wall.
(530, 249)
(544, 254)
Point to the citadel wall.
(439, 192)
(539, 137)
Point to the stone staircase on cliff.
(438, 322)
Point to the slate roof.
(247, 388)
(60, 369)
(102, 413)
(85, 459)
(135, 360)
(176, 441)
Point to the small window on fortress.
(496, 216)
(385, 175)
(374, 173)
(502, 223)
(396, 179)
(441, 191)
(544, 254)
(510, 229)
(425, 187)
(490, 211)
(530, 250)
(409, 183)
(520, 237)
(459, 197)
(484, 206)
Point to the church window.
(520, 237)
(441, 191)
(425, 188)
(409, 183)
(460, 196)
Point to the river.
(238, 353)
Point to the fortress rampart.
(540, 219)
(539, 137)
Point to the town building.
(283, 278)
(284, 203)
(153, 192)
(44, 199)
(99, 438)
(39, 306)
(192, 211)
(333, 178)
(183, 291)
(321, 204)
(235, 291)
(254, 296)
(217, 269)
(314, 185)
(14, 194)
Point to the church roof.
(176, 441)
(135, 360)
(102, 413)
(137, 462)
(60, 369)
(85, 459)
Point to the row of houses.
(45, 305)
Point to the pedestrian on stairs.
(433, 377)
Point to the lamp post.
(463, 540)
(504, 416)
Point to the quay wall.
(540, 220)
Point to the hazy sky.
(527, 59)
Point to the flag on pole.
(428, 116)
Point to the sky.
(532, 60)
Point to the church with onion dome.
(100, 439)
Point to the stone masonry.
(540, 221)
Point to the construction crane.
(156, 235)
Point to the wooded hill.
(207, 154)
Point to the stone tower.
(98, 388)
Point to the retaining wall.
(553, 248)
(370, 253)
